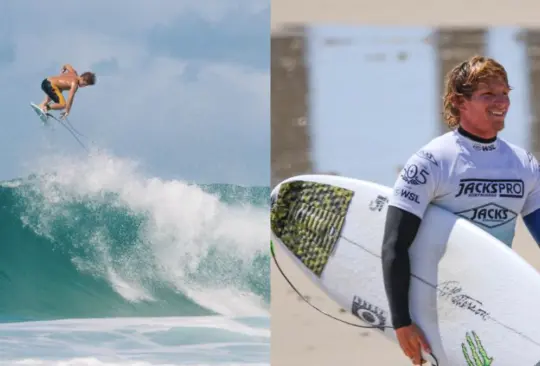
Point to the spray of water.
(183, 237)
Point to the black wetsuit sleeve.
(399, 233)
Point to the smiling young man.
(469, 171)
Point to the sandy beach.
(303, 336)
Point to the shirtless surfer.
(68, 80)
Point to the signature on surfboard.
(453, 291)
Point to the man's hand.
(64, 115)
(412, 341)
(68, 68)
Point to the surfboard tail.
(308, 218)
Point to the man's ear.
(457, 101)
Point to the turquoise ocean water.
(103, 265)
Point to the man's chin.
(498, 125)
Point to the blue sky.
(182, 88)
(388, 108)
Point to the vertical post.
(290, 145)
(532, 49)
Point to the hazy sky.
(182, 87)
(371, 111)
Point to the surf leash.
(310, 304)
(68, 126)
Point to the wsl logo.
(411, 196)
(484, 147)
(490, 215)
(508, 188)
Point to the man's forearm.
(399, 233)
(68, 105)
(532, 222)
(69, 68)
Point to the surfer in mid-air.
(70, 80)
(470, 171)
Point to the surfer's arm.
(532, 222)
(400, 230)
(69, 68)
(531, 208)
(72, 91)
(412, 193)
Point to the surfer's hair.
(89, 77)
(463, 80)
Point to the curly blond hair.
(463, 80)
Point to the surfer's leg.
(43, 105)
(57, 106)
(54, 94)
(60, 102)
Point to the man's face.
(487, 108)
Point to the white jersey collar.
(478, 145)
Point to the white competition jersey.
(489, 184)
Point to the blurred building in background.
(531, 37)
(290, 120)
(290, 135)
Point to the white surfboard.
(477, 301)
(42, 116)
